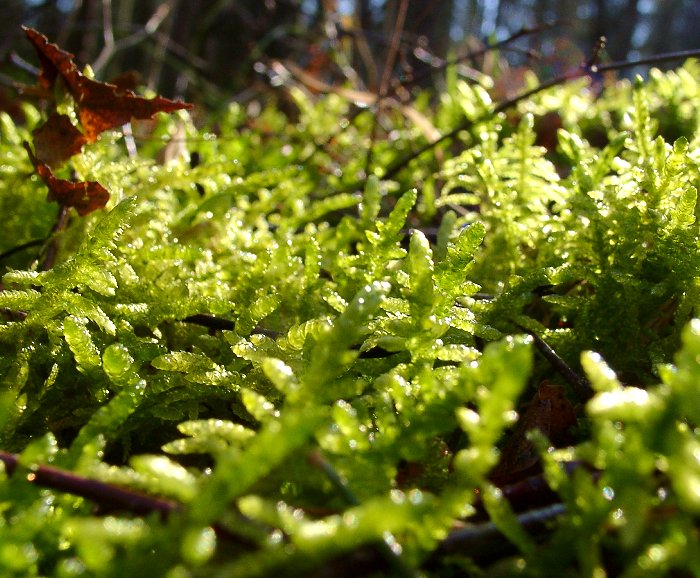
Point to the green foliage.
(363, 374)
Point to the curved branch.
(106, 495)
(511, 102)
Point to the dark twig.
(526, 494)
(511, 102)
(534, 491)
(106, 495)
(216, 323)
(23, 65)
(390, 555)
(597, 51)
(658, 59)
(317, 460)
(52, 248)
(22, 247)
(484, 542)
(438, 64)
(503, 106)
(481, 543)
(580, 384)
(386, 78)
(112, 46)
(220, 324)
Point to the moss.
(312, 369)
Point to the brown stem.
(580, 384)
(480, 541)
(386, 78)
(484, 542)
(52, 248)
(220, 324)
(511, 102)
(657, 59)
(17, 249)
(106, 495)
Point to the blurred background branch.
(206, 50)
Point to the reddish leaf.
(84, 196)
(57, 140)
(550, 412)
(10, 105)
(128, 80)
(101, 105)
(54, 61)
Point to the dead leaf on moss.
(86, 196)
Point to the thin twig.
(22, 247)
(52, 248)
(391, 555)
(511, 102)
(482, 542)
(658, 59)
(221, 324)
(317, 460)
(596, 53)
(386, 78)
(534, 491)
(393, 49)
(113, 46)
(485, 542)
(438, 64)
(106, 495)
(108, 31)
(580, 384)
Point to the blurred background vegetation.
(215, 51)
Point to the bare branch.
(580, 384)
(390, 555)
(386, 78)
(111, 46)
(658, 59)
(484, 542)
(107, 495)
(511, 102)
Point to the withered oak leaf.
(57, 140)
(550, 412)
(85, 196)
(127, 80)
(54, 61)
(101, 105)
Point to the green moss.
(311, 369)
